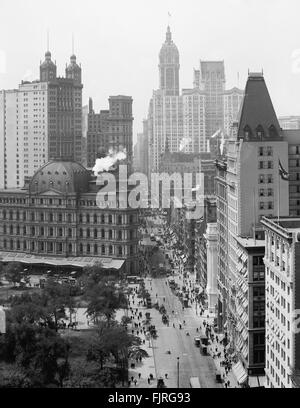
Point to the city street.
(191, 362)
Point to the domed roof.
(47, 61)
(62, 176)
(73, 64)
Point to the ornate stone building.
(54, 220)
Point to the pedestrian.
(166, 376)
(148, 379)
(228, 383)
(135, 381)
(132, 377)
(173, 324)
(129, 383)
(140, 375)
(225, 384)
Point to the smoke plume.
(105, 163)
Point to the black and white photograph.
(150, 197)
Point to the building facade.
(249, 181)
(39, 121)
(232, 100)
(282, 257)
(110, 130)
(289, 122)
(56, 216)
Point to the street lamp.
(177, 372)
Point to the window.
(120, 250)
(261, 205)
(247, 132)
(51, 217)
(119, 235)
(95, 233)
(261, 179)
(102, 233)
(95, 219)
(51, 232)
(261, 192)
(270, 165)
(88, 248)
(260, 164)
(88, 218)
(80, 248)
(81, 233)
(110, 250)
(80, 218)
(70, 232)
(69, 218)
(270, 205)
(270, 192)
(102, 249)
(259, 132)
(60, 232)
(110, 219)
(103, 219)
(88, 233)
(260, 151)
(120, 219)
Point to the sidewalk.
(147, 365)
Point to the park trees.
(13, 272)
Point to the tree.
(40, 353)
(112, 340)
(104, 301)
(13, 272)
(136, 352)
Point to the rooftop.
(250, 242)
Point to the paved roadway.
(191, 361)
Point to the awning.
(240, 373)
(81, 262)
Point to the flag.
(283, 173)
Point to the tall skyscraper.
(40, 120)
(248, 188)
(212, 81)
(232, 100)
(169, 66)
(165, 112)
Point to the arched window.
(95, 233)
(102, 249)
(110, 250)
(260, 132)
(247, 132)
(273, 132)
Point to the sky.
(117, 43)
